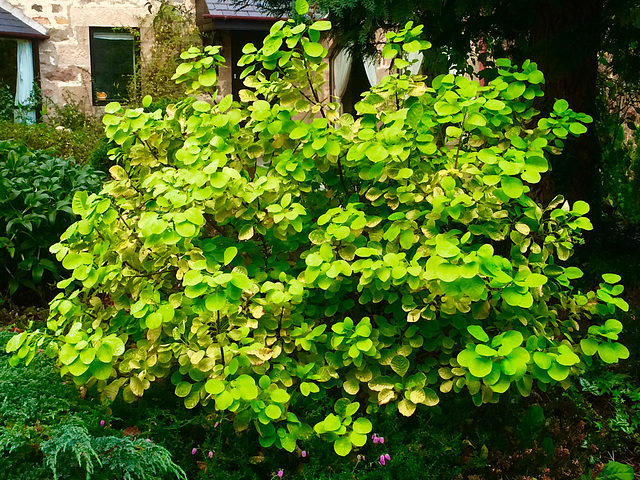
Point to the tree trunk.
(565, 40)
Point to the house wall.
(65, 62)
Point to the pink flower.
(387, 456)
(280, 473)
(216, 424)
(382, 460)
(148, 440)
(380, 439)
(194, 450)
(102, 422)
(304, 453)
(375, 438)
(210, 454)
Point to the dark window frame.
(119, 94)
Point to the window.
(9, 62)
(113, 63)
(358, 84)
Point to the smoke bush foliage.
(270, 252)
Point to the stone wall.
(65, 63)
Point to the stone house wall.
(65, 63)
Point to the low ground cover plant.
(270, 254)
(53, 431)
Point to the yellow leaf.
(385, 396)
(406, 407)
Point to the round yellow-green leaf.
(342, 446)
(154, 320)
(512, 186)
(183, 389)
(362, 425)
(280, 396)
(273, 411)
(478, 332)
(214, 386)
(558, 372)
(607, 353)
(100, 370)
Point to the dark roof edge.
(25, 36)
(242, 17)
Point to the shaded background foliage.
(564, 37)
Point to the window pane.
(112, 64)
(8, 64)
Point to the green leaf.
(535, 77)
(512, 296)
(611, 278)
(302, 7)
(112, 107)
(342, 446)
(208, 79)
(616, 471)
(280, 396)
(542, 360)
(512, 186)
(320, 25)
(229, 254)
(478, 332)
(214, 386)
(313, 49)
(400, 365)
(607, 353)
(495, 105)
(274, 412)
(331, 423)
(104, 353)
(67, 354)
(362, 426)
(485, 351)
(101, 371)
(480, 366)
(224, 400)
(589, 346)
(476, 119)
(357, 439)
(201, 106)
(16, 342)
(154, 320)
(535, 280)
(558, 372)
(514, 90)
(577, 128)
(183, 389)
(560, 106)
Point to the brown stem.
(221, 347)
(459, 144)
(344, 186)
(313, 90)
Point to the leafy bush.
(60, 142)
(620, 168)
(36, 190)
(272, 254)
(6, 103)
(11, 112)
